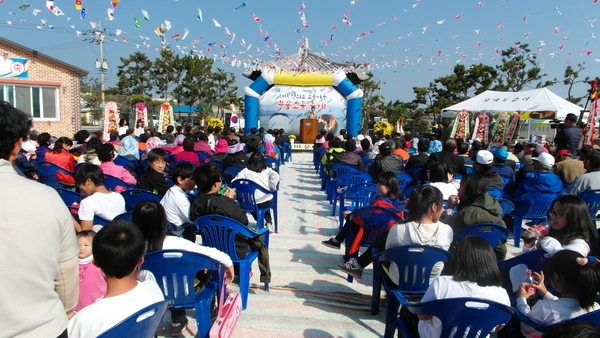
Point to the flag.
(49, 4)
(217, 24)
(227, 32)
(83, 13)
(302, 7)
(57, 11)
(114, 3)
(78, 4)
(111, 14)
(136, 22)
(256, 18)
(185, 34)
(25, 5)
(244, 4)
(145, 15)
(199, 17)
(36, 12)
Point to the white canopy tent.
(536, 100)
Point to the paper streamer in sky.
(244, 4)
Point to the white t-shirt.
(178, 243)
(177, 206)
(107, 206)
(123, 130)
(447, 189)
(445, 287)
(550, 310)
(267, 179)
(438, 234)
(107, 312)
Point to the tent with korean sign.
(504, 111)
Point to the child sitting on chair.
(92, 285)
(99, 201)
(153, 178)
(176, 202)
(119, 252)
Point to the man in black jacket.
(569, 137)
(385, 161)
(446, 156)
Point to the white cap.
(484, 157)
(545, 159)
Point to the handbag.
(230, 310)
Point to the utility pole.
(97, 36)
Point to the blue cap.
(501, 154)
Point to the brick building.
(42, 86)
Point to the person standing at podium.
(312, 114)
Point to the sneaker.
(177, 328)
(351, 268)
(330, 243)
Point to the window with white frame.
(38, 101)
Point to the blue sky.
(403, 43)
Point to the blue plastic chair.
(375, 220)
(143, 324)
(317, 156)
(175, 271)
(346, 181)
(244, 194)
(404, 179)
(99, 220)
(126, 216)
(492, 233)
(184, 161)
(532, 206)
(218, 163)
(406, 192)
(203, 157)
(469, 170)
(415, 263)
(272, 163)
(115, 184)
(506, 205)
(126, 163)
(337, 170)
(414, 173)
(367, 163)
(231, 172)
(535, 260)
(47, 172)
(287, 152)
(592, 199)
(461, 317)
(360, 195)
(134, 196)
(219, 232)
(70, 198)
(495, 192)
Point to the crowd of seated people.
(513, 169)
(448, 200)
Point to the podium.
(308, 130)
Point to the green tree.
(225, 92)
(519, 69)
(134, 75)
(196, 85)
(94, 105)
(166, 71)
(571, 79)
(372, 101)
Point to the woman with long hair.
(150, 218)
(258, 172)
(60, 156)
(571, 228)
(440, 175)
(423, 226)
(472, 271)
